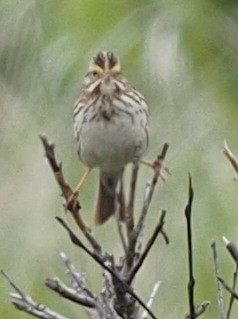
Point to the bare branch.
(25, 303)
(149, 191)
(67, 192)
(130, 207)
(191, 283)
(78, 281)
(199, 310)
(121, 235)
(57, 170)
(106, 300)
(232, 297)
(75, 240)
(117, 298)
(228, 288)
(231, 157)
(233, 250)
(134, 240)
(158, 229)
(151, 299)
(69, 293)
(117, 218)
(220, 299)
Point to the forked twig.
(151, 189)
(78, 281)
(232, 296)
(135, 234)
(121, 235)
(75, 240)
(117, 293)
(199, 310)
(228, 288)
(158, 229)
(27, 304)
(69, 293)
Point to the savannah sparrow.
(110, 125)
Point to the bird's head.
(104, 73)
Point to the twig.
(228, 288)
(106, 307)
(200, 309)
(229, 245)
(151, 189)
(233, 250)
(27, 304)
(121, 235)
(67, 192)
(151, 299)
(117, 218)
(232, 159)
(158, 229)
(57, 170)
(220, 299)
(133, 238)
(130, 207)
(56, 285)
(234, 253)
(75, 240)
(232, 296)
(191, 283)
(77, 280)
(123, 303)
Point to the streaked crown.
(105, 61)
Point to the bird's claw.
(72, 203)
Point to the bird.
(111, 131)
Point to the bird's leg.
(147, 163)
(82, 181)
(74, 195)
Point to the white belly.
(110, 145)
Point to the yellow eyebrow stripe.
(116, 68)
(95, 68)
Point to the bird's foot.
(72, 203)
(157, 165)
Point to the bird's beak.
(106, 77)
(107, 86)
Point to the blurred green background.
(183, 56)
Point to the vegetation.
(182, 55)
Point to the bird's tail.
(110, 198)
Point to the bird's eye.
(94, 73)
